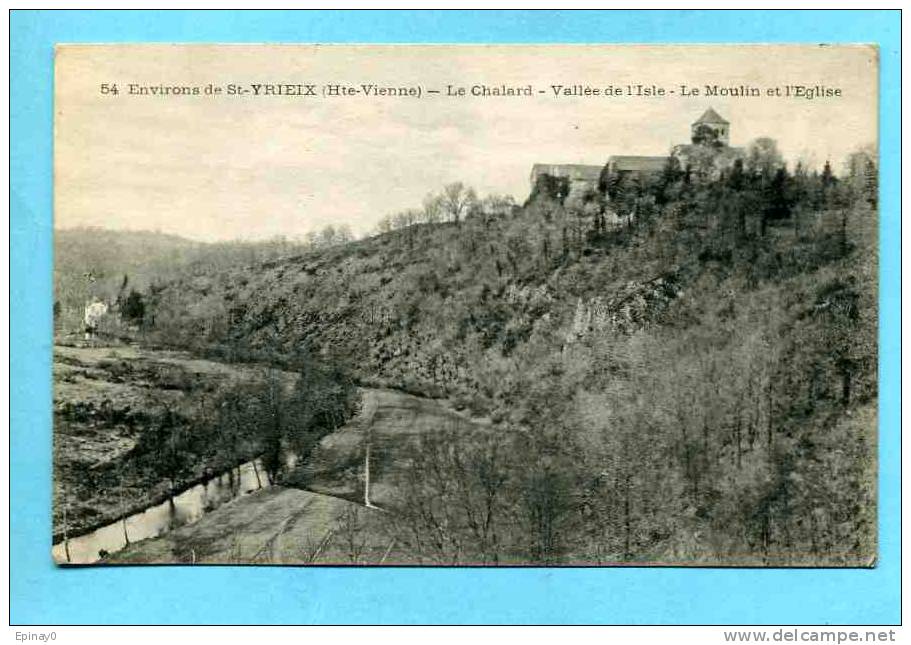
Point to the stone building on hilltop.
(579, 177)
(707, 155)
(635, 165)
(709, 152)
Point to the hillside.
(413, 309)
(675, 388)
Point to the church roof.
(633, 163)
(712, 117)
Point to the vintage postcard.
(466, 305)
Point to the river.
(187, 507)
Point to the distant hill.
(94, 262)
(97, 262)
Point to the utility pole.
(369, 411)
(66, 539)
(126, 538)
(367, 475)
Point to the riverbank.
(104, 399)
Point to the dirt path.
(391, 421)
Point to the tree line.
(454, 203)
(276, 418)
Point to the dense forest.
(678, 367)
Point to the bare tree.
(452, 505)
(456, 200)
(385, 225)
(763, 157)
(350, 529)
(311, 550)
(433, 208)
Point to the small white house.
(95, 311)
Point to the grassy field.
(273, 526)
(391, 421)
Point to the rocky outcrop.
(633, 306)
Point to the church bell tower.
(711, 128)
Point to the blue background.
(43, 594)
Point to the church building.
(708, 153)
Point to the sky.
(220, 167)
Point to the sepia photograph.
(465, 305)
